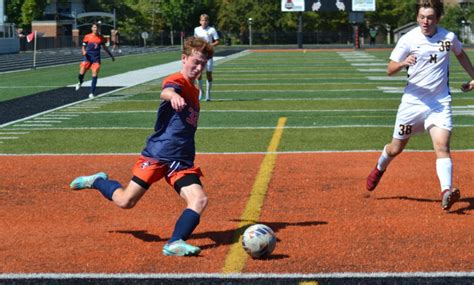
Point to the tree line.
(230, 17)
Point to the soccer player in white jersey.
(426, 102)
(209, 34)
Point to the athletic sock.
(106, 187)
(384, 160)
(208, 89)
(200, 88)
(444, 169)
(185, 225)
(94, 84)
(81, 78)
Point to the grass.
(330, 105)
(18, 84)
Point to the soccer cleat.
(85, 182)
(180, 248)
(448, 198)
(91, 95)
(374, 178)
(78, 85)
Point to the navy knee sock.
(93, 84)
(81, 78)
(106, 187)
(185, 225)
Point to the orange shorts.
(150, 171)
(89, 65)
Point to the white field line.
(20, 127)
(232, 153)
(456, 111)
(247, 111)
(25, 86)
(292, 91)
(250, 276)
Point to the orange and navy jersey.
(173, 139)
(92, 44)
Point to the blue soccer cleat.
(180, 248)
(85, 182)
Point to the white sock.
(200, 88)
(384, 160)
(208, 89)
(444, 169)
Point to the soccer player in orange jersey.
(91, 45)
(169, 152)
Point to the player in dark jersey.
(91, 45)
(169, 152)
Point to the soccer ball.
(259, 241)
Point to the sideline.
(236, 258)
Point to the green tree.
(394, 13)
(32, 10)
(13, 11)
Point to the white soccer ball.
(259, 241)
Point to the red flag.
(30, 36)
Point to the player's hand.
(178, 103)
(468, 86)
(410, 60)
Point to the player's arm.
(177, 102)
(465, 62)
(108, 52)
(215, 39)
(83, 48)
(394, 67)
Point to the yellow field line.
(236, 258)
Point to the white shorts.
(210, 65)
(414, 118)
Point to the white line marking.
(439, 274)
(229, 153)
(33, 125)
(387, 78)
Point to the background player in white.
(210, 35)
(426, 102)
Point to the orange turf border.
(324, 219)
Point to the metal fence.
(167, 39)
(7, 31)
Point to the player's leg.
(389, 152)
(199, 80)
(125, 198)
(190, 189)
(409, 121)
(84, 66)
(95, 74)
(209, 69)
(440, 137)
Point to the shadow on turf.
(460, 211)
(226, 237)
